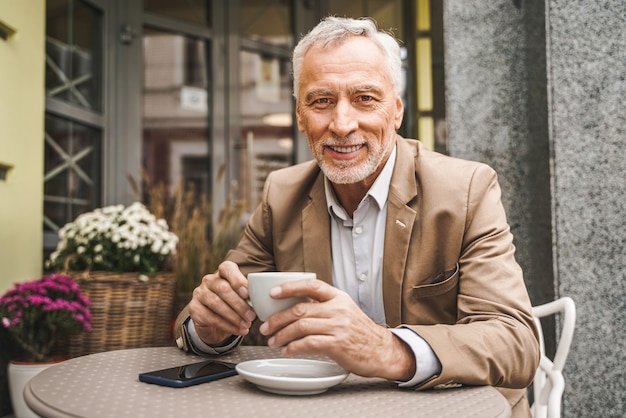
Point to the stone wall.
(586, 72)
(536, 90)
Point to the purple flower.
(38, 312)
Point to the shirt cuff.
(202, 347)
(426, 362)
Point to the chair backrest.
(549, 383)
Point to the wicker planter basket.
(127, 312)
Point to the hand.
(334, 326)
(219, 308)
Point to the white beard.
(349, 172)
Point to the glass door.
(176, 135)
(74, 119)
(266, 133)
(176, 98)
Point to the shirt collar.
(379, 190)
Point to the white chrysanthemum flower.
(129, 229)
(156, 246)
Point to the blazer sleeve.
(494, 340)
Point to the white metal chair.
(549, 383)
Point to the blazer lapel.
(316, 234)
(399, 227)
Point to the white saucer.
(289, 376)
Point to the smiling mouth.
(344, 149)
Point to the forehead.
(357, 60)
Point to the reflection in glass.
(388, 14)
(190, 11)
(175, 111)
(74, 53)
(266, 21)
(266, 122)
(72, 171)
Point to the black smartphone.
(189, 374)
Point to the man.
(418, 278)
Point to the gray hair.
(334, 31)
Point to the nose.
(343, 121)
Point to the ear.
(399, 112)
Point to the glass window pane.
(424, 77)
(190, 11)
(426, 131)
(175, 111)
(266, 121)
(267, 21)
(386, 13)
(87, 57)
(74, 53)
(58, 60)
(422, 17)
(72, 155)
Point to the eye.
(321, 103)
(365, 98)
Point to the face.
(348, 109)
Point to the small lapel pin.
(400, 223)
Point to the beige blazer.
(449, 271)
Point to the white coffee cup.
(259, 285)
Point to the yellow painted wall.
(21, 141)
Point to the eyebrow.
(320, 92)
(365, 88)
(354, 90)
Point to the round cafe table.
(106, 385)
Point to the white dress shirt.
(357, 262)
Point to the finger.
(311, 344)
(217, 304)
(340, 307)
(222, 288)
(311, 288)
(308, 319)
(297, 322)
(232, 289)
(337, 318)
(303, 329)
(222, 302)
(230, 272)
(218, 329)
(210, 312)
